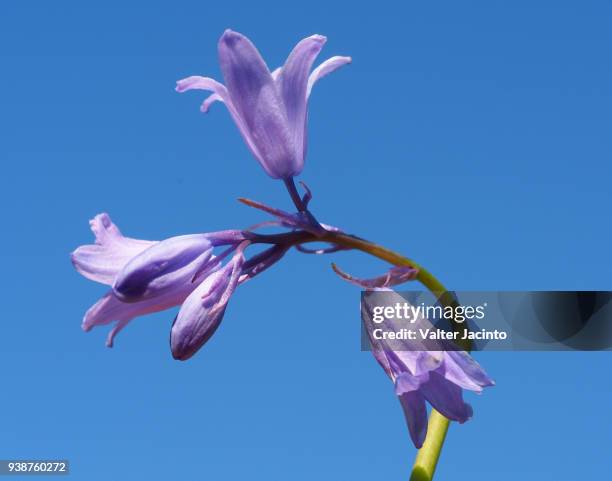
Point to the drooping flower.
(419, 375)
(203, 310)
(146, 276)
(269, 108)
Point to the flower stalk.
(427, 457)
(294, 194)
(270, 108)
(148, 276)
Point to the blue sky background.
(472, 136)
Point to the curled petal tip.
(114, 331)
(318, 37)
(230, 36)
(103, 218)
(110, 338)
(327, 67)
(184, 84)
(88, 322)
(211, 99)
(102, 225)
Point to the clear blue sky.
(472, 136)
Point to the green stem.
(427, 457)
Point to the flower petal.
(195, 82)
(257, 103)
(102, 261)
(461, 369)
(416, 363)
(415, 412)
(402, 347)
(446, 397)
(211, 99)
(327, 67)
(158, 269)
(220, 93)
(117, 328)
(109, 308)
(406, 382)
(293, 84)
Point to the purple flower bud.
(202, 311)
(162, 266)
(269, 108)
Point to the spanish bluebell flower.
(437, 377)
(203, 310)
(269, 108)
(146, 276)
